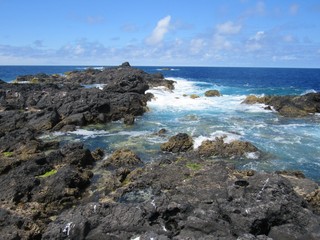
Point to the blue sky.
(245, 33)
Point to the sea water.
(287, 143)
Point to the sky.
(231, 33)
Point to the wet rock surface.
(212, 93)
(182, 142)
(290, 106)
(234, 149)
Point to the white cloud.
(294, 8)
(228, 28)
(260, 7)
(284, 58)
(221, 43)
(288, 38)
(196, 45)
(130, 28)
(159, 31)
(94, 19)
(258, 36)
(255, 43)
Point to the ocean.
(287, 143)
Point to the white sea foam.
(88, 133)
(227, 138)
(180, 99)
(130, 133)
(100, 86)
(252, 155)
(308, 91)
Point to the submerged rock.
(212, 93)
(194, 96)
(182, 142)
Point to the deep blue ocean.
(287, 143)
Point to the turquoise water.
(287, 143)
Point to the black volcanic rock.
(178, 201)
(181, 142)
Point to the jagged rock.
(123, 158)
(14, 226)
(76, 154)
(125, 64)
(162, 132)
(171, 201)
(297, 174)
(182, 142)
(212, 93)
(314, 199)
(128, 120)
(290, 106)
(252, 99)
(219, 148)
(97, 154)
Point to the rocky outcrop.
(173, 201)
(182, 142)
(123, 158)
(290, 106)
(41, 185)
(115, 78)
(27, 110)
(212, 93)
(234, 149)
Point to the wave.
(168, 69)
(227, 138)
(189, 95)
(97, 85)
(308, 91)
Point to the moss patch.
(194, 166)
(7, 154)
(48, 174)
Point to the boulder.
(252, 99)
(234, 149)
(123, 158)
(212, 93)
(194, 96)
(76, 154)
(128, 119)
(181, 142)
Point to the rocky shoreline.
(49, 191)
